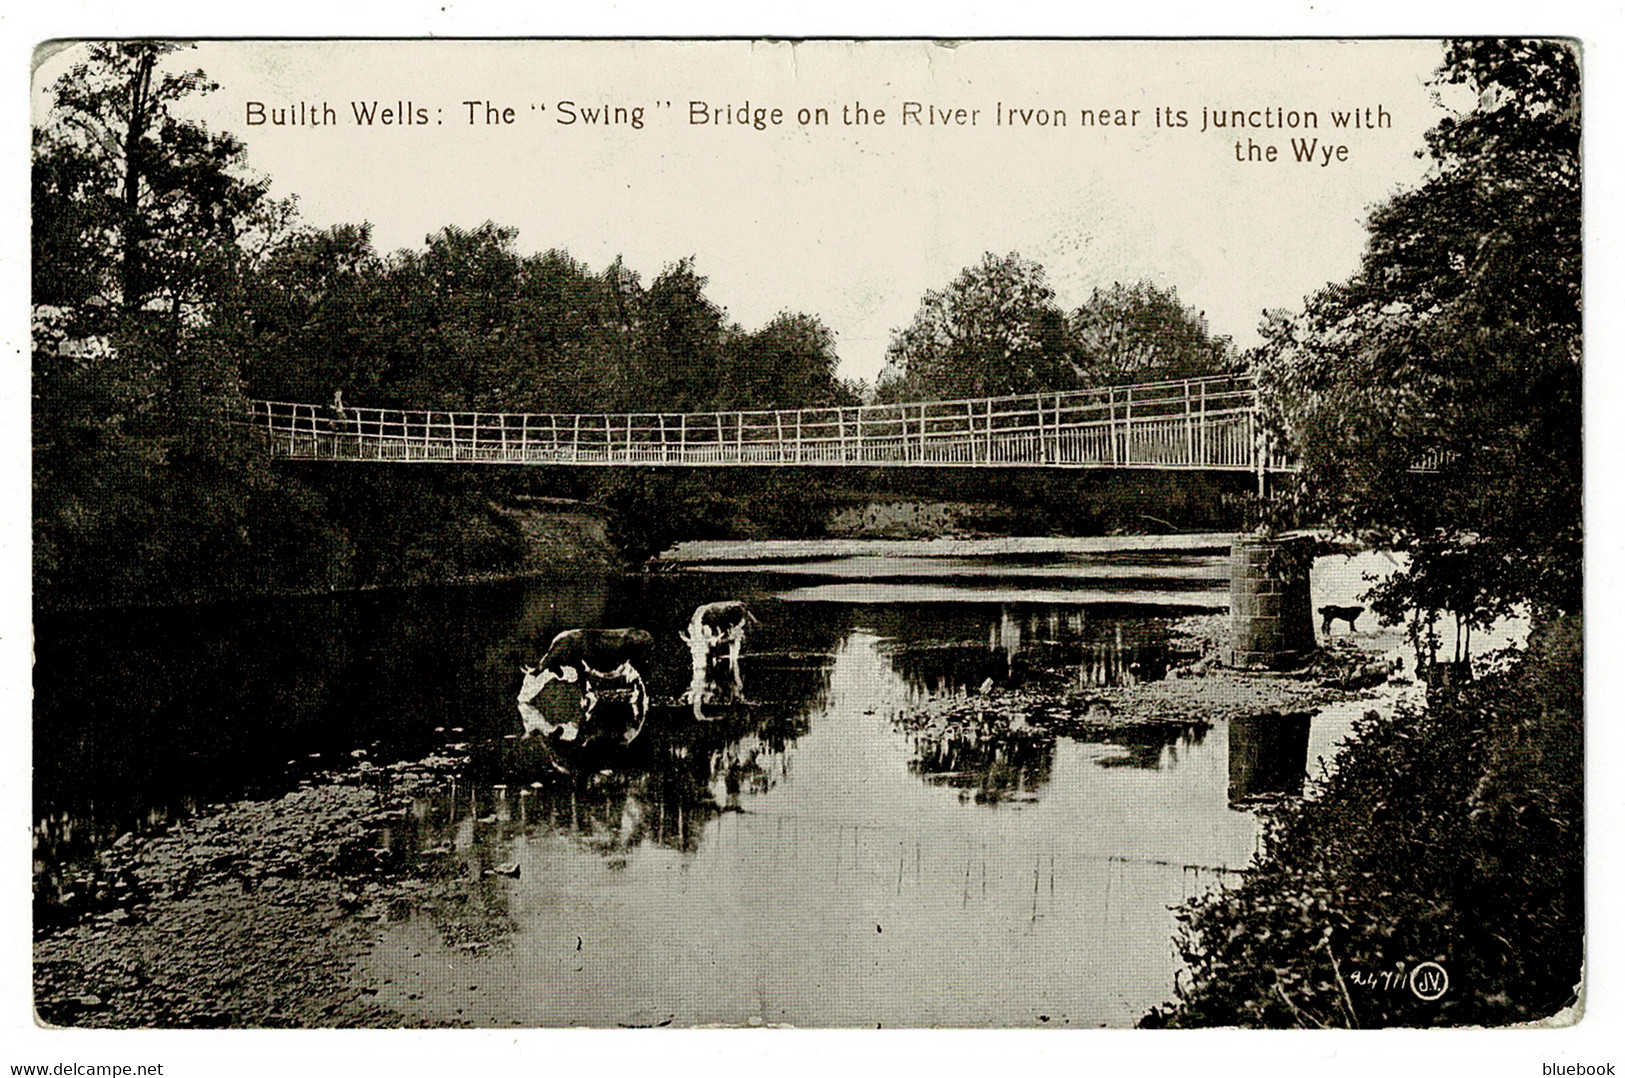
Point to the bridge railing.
(1207, 423)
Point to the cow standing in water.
(713, 627)
(583, 656)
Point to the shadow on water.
(142, 717)
(1153, 746)
(611, 797)
(988, 763)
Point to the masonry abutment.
(1271, 624)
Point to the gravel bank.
(253, 914)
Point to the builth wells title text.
(1252, 134)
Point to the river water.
(802, 851)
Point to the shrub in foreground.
(1452, 836)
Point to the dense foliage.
(994, 329)
(998, 329)
(470, 323)
(168, 286)
(1434, 402)
(651, 510)
(1456, 346)
(1453, 836)
(140, 221)
(1142, 333)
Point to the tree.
(1456, 347)
(72, 261)
(681, 334)
(468, 322)
(575, 334)
(789, 363)
(452, 306)
(139, 222)
(310, 318)
(1142, 333)
(160, 196)
(995, 329)
(138, 216)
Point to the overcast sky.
(852, 223)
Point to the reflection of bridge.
(1201, 423)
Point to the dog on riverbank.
(1330, 614)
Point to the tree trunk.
(130, 237)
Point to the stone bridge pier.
(1272, 625)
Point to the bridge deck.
(1205, 423)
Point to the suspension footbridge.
(1209, 424)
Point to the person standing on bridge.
(335, 420)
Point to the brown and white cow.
(713, 628)
(583, 656)
(716, 624)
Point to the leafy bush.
(1451, 836)
(788, 505)
(651, 511)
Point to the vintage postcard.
(995, 534)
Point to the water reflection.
(610, 801)
(845, 860)
(659, 787)
(599, 721)
(1268, 756)
(990, 765)
(143, 716)
(1091, 647)
(841, 867)
(715, 638)
(1155, 746)
(749, 765)
(221, 702)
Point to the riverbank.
(1091, 509)
(702, 552)
(560, 537)
(264, 912)
(547, 537)
(1437, 879)
(253, 914)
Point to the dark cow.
(582, 656)
(1330, 614)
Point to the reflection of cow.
(713, 626)
(582, 656)
(537, 724)
(608, 721)
(746, 765)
